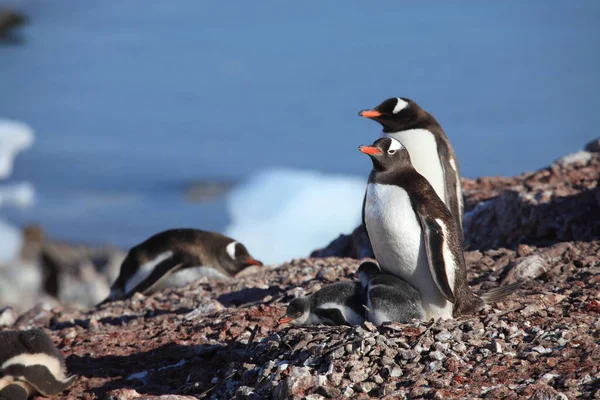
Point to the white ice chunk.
(282, 214)
(15, 136)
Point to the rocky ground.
(221, 339)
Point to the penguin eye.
(392, 151)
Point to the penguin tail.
(499, 293)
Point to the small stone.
(348, 392)
(370, 326)
(542, 350)
(495, 346)
(437, 355)
(365, 387)
(459, 347)
(443, 336)
(330, 392)
(358, 374)
(385, 360)
(396, 372)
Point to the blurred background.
(242, 118)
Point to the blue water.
(132, 100)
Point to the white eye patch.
(400, 105)
(230, 249)
(394, 146)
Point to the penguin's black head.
(236, 258)
(366, 272)
(297, 312)
(395, 114)
(387, 153)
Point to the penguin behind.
(388, 297)
(30, 364)
(414, 236)
(178, 257)
(430, 150)
(340, 303)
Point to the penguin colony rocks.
(430, 150)
(414, 236)
(30, 364)
(177, 257)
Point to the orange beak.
(369, 113)
(285, 320)
(370, 150)
(252, 261)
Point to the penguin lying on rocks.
(388, 298)
(340, 303)
(176, 258)
(30, 365)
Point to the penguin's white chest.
(397, 240)
(424, 156)
(394, 231)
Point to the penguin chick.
(30, 364)
(389, 298)
(177, 257)
(340, 303)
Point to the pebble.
(437, 355)
(443, 336)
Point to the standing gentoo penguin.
(30, 364)
(415, 237)
(175, 258)
(430, 150)
(340, 303)
(389, 298)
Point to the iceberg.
(281, 214)
(14, 137)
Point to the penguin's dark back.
(195, 245)
(347, 290)
(27, 342)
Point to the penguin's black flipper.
(332, 314)
(13, 392)
(439, 259)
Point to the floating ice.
(11, 241)
(15, 136)
(283, 214)
(19, 194)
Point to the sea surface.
(133, 101)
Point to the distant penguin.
(388, 298)
(30, 364)
(340, 303)
(415, 237)
(178, 257)
(430, 150)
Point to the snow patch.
(282, 214)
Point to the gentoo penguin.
(340, 303)
(414, 236)
(177, 257)
(30, 364)
(430, 150)
(388, 297)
